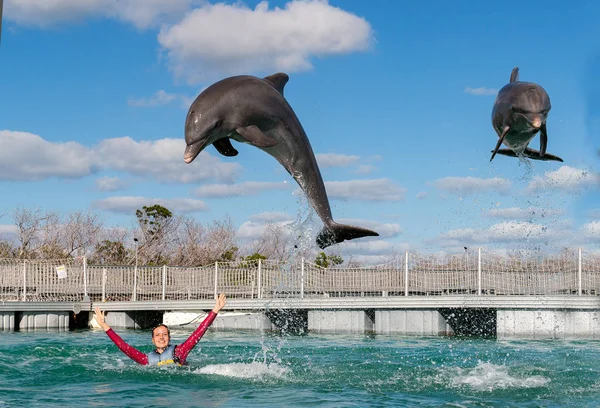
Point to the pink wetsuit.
(181, 350)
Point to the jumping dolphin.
(520, 111)
(252, 110)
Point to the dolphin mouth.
(193, 150)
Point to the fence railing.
(574, 272)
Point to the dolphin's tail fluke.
(335, 233)
(531, 154)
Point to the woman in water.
(164, 353)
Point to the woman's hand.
(100, 319)
(221, 300)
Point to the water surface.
(249, 369)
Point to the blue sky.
(395, 97)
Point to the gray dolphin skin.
(252, 110)
(520, 112)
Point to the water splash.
(490, 377)
(254, 370)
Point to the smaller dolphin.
(253, 110)
(519, 113)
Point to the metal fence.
(472, 273)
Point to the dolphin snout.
(536, 122)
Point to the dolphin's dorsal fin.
(514, 75)
(278, 81)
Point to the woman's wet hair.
(161, 325)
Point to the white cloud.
(365, 169)
(48, 13)
(232, 38)
(25, 156)
(162, 160)
(8, 231)
(421, 195)
(591, 230)
(268, 217)
(470, 185)
(109, 184)
(387, 230)
(522, 213)
(128, 204)
(510, 232)
(566, 178)
(251, 230)
(367, 190)
(375, 252)
(159, 98)
(242, 189)
(335, 160)
(28, 157)
(482, 91)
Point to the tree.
(325, 261)
(30, 225)
(275, 242)
(153, 220)
(80, 232)
(7, 250)
(229, 254)
(110, 252)
(254, 258)
(157, 227)
(197, 244)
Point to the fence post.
(302, 279)
(86, 298)
(406, 274)
(259, 278)
(216, 279)
(24, 280)
(479, 271)
(104, 279)
(579, 273)
(135, 273)
(164, 281)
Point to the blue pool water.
(250, 369)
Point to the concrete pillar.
(130, 320)
(242, 321)
(7, 321)
(339, 321)
(548, 324)
(44, 321)
(411, 323)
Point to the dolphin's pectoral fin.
(256, 137)
(514, 75)
(225, 147)
(543, 140)
(278, 81)
(531, 154)
(535, 155)
(336, 233)
(507, 152)
(500, 140)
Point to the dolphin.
(252, 110)
(520, 111)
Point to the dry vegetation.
(162, 239)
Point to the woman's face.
(160, 337)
